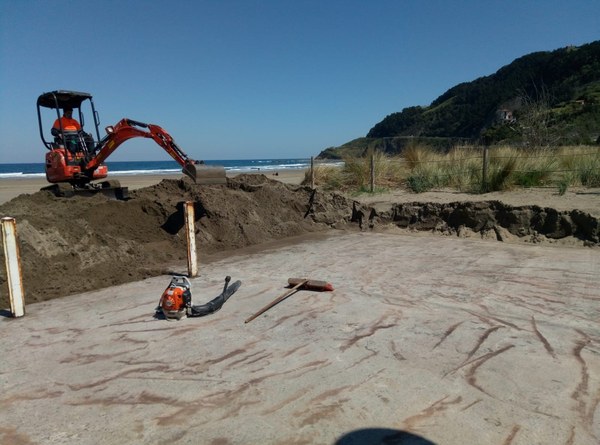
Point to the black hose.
(216, 303)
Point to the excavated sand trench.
(80, 244)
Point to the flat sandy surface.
(439, 340)
(425, 339)
(584, 199)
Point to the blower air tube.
(216, 303)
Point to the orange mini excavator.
(76, 158)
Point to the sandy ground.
(12, 187)
(425, 340)
(584, 199)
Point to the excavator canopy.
(62, 98)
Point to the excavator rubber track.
(203, 174)
(111, 189)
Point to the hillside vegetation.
(543, 99)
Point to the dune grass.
(581, 165)
(420, 169)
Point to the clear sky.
(245, 79)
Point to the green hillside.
(544, 98)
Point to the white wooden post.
(312, 172)
(12, 258)
(191, 239)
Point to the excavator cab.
(75, 157)
(70, 148)
(67, 100)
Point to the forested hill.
(563, 85)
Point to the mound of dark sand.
(85, 243)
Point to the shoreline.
(12, 187)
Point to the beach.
(13, 187)
(424, 340)
(435, 333)
(585, 199)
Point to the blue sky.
(235, 79)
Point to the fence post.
(484, 176)
(192, 256)
(312, 172)
(12, 258)
(372, 173)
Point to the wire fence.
(476, 170)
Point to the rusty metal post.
(12, 258)
(191, 239)
(484, 174)
(372, 173)
(312, 172)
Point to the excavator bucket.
(203, 174)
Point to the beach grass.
(420, 169)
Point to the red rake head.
(315, 285)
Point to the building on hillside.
(505, 116)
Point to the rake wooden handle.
(277, 300)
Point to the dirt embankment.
(85, 243)
(80, 244)
(495, 220)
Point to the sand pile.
(85, 243)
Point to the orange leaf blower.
(176, 301)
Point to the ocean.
(164, 167)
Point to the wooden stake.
(12, 258)
(372, 173)
(484, 176)
(190, 231)
(277, 300)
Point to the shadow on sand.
(381, 436)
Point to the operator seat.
(74, 141)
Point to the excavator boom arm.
(127, 129)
